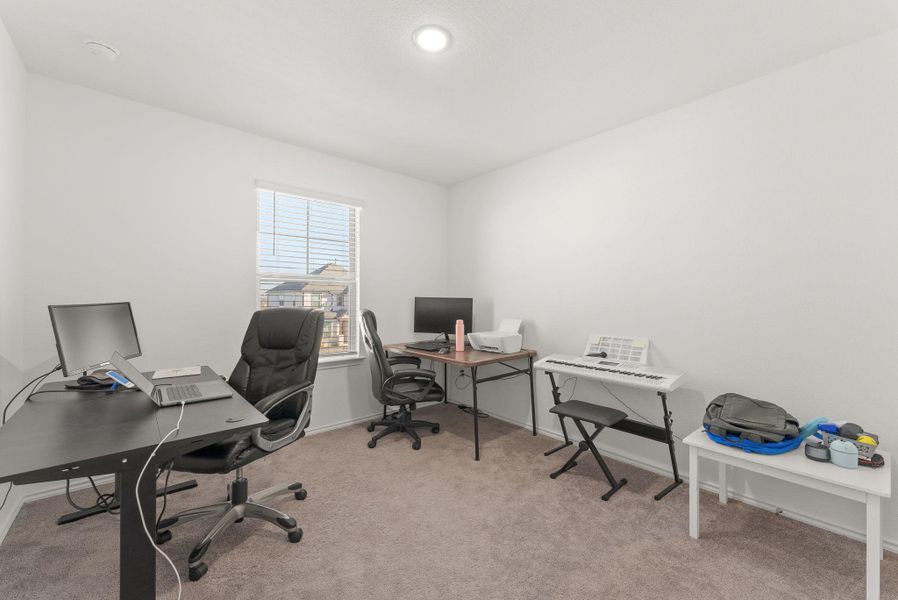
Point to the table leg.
(693, 492)
(722, 482)
(532, 395)
(874, 545)
(445, 383)
(476, 417)
(137, 558)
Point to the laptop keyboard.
(179, 393)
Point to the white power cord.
(143, 521)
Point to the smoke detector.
(102, 50)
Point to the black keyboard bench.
(601, 417)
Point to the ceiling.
(342, 76)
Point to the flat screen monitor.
(438, 315)
(88, 334)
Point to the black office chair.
(276, 373)
(393, 361)
(402, 388)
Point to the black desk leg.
(556, 399)
(137, 558)
(476, 414)
(670, 446)
(445, 383)
(116, 502)
(532, 395)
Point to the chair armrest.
(404, 360)
(409, 375)
(272, 401)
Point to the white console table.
(865, 485)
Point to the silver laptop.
(167, 394)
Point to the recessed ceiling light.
(102, 50)
(431, 38)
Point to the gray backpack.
(749, 419)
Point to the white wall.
(131, 202)
(12, 207)
(750, 235)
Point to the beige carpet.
(395, 523)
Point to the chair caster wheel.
(435, 429)
(372, 444)
(294, 536)
(162, 537)
(196, 573)
(416, 445)
(301, 494)
(370, 427)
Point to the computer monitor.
(88, 334)
(438, 315)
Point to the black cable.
(104, 500)
(648, 421)
(68, 496)
(6, 496)
(164, 494)
(39, 379)
(573, 388)
(69, 391)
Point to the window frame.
(354, 354)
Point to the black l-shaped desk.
(60, 434)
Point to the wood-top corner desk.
(474, 359)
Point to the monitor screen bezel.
(69, 370)
(468, 323)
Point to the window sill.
(337, 362)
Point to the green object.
(843, 454)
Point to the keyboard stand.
(556, 398)
(663, 435)
(115, 503)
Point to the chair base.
(238, 507)
(401, 422)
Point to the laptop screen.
(132, 374)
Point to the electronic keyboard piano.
(618, 361)
(629, 373)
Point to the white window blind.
(308, 257)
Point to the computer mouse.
(443, 351)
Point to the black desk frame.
(116, 502)
(663, 435)
(512, 372)
(205, 423)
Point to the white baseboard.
(341, 424)
(19, 495)
(664, 469)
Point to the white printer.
(506, 339)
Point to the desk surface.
(864, 479)
(90, 433)
(468, 358)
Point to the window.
(308, 257)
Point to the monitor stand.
(89, 382)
